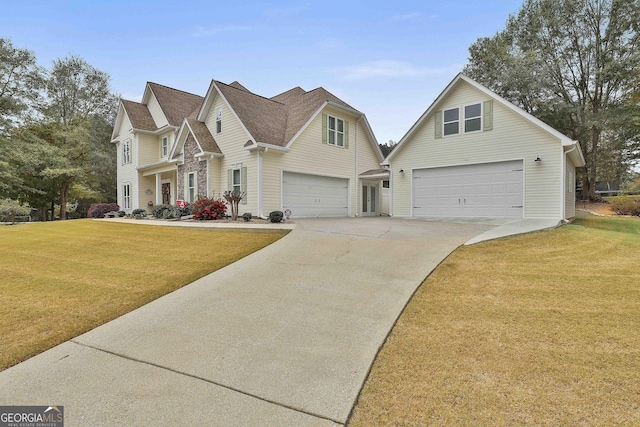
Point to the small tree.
(233, 198)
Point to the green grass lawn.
(61, 279)
(538, 329)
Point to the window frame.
(462, 119)
(218, 120)
(445, 122)
(191, 192)
(235, 184)
(164, 146)
(126, 195)
(478, 117)
(335, 132)
(126, 152)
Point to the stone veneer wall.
(192, 164)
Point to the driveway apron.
(285, 336)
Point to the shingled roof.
(139, 115)
(204, 137)
(265, 119)
(176, 104)
(276, 120)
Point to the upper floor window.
(335, 129)
(218, 119)
(164, 146)
(451, 121)
(126, 152)
(473, 117)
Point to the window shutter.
(346, 134)
(488, 115)
(438, 125)
(243, 184)
(324, 128)
(230, 179)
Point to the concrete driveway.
(285, 336)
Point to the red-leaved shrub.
(98, 210)
(208, 208)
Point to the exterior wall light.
(538, 159)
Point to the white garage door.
(314, 196)
(489, 190)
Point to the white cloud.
(210, 31)
(389, 68)
(405, 17)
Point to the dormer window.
(164, 147)
(219, 120)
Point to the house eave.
(264, 145)
(163, 129)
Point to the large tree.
(79, 100)
(20, 82)
(575, 64)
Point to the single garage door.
(489, 190)
(315, 196)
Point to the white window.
(192, 187)
(126, 196)
(164, 150)
(219, 120)
(451, 122)
(570, 183)
(236, 180)
(126, 152)
(473, 118)
(335, 129)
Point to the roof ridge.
(173, 88)
(252, 93)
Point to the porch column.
(158, 189)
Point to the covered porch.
(373, 186)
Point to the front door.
(166, 193)
(369, 199)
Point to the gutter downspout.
(260, 153)
(564, 183)
(357, 181)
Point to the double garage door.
(315, 196)
(489, 190)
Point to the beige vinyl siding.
(141, 198)
(128, 172)
(309, 155)
(148, 151)
(231, 142)
(570, 190)
(156, 112)
(512, 138)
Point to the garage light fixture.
(538, 159)
(401, 171)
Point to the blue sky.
(388, 59)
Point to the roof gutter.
(260, 145)
(163, 129)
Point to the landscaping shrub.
(170, 211)
(139, 213)
(121, 213)
(247, 216)
(10, 209)
(206, 208)
(276, 216)
(98, 210)
(625, 205)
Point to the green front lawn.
(539, 329)
(60, 279)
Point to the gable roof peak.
(237, 85)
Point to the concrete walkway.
(283, 337)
